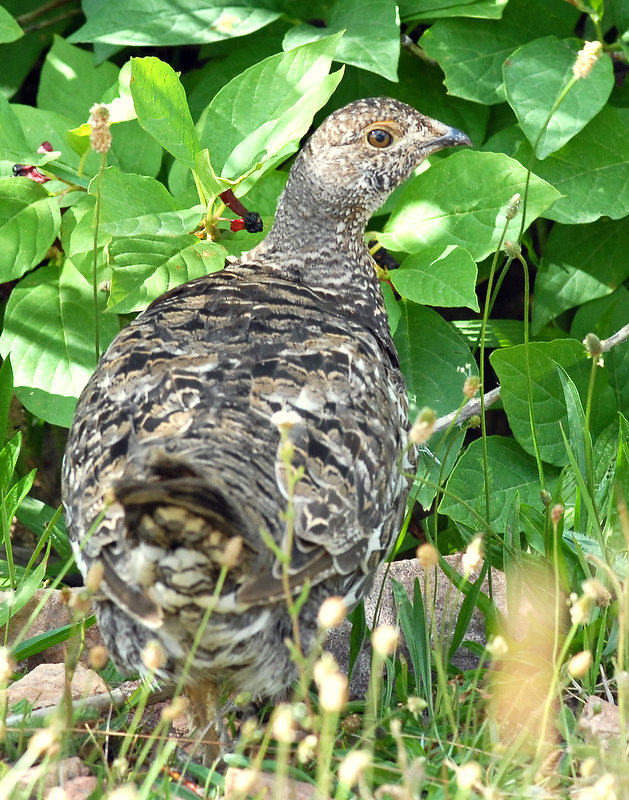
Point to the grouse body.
(272, 385)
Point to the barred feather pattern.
(175, 451)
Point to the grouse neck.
(321, 244)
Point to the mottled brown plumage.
(174, 451)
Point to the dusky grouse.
(176, 449)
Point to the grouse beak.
(452, 138)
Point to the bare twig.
(24, 19)
(616, 338)
(470, 409)
(98, 702)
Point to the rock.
(43, 686)
(54, 614)
(61, 774)
(442, 603)
(600, 721)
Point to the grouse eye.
(377, 137)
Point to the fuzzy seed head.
(230, 556)
(622, 680)
(594, 349)
(474, 421)
(423, 426)
(127, 792)
(285, 420)
(58, 793)
(94, 576)
(556, 513)
(384, 640)
(353, 767)
(98, 657)
(176, 710)
(595, 590)
(468, 775)
(512, 249)
(154, 656)
(323, 668)
(307, 749)
(605, 788)
(580, 608)
(283, 726)
(7, 664)
(497, 646)
(100, 137)
(471, 386)
(44, 742)
(586, 58)
(332, 612)
(473, 556)
(333, 693)
(512, 206)
(546, 498)
(416, 705)
(580, 663)
(427, 555)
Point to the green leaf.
(29, 222)
(392, 307)
(145, 267)
(579, 263)
(438, 277)
(591, 170)
(9, 29)
(36, 516)
(511, 471)
(462, 200)
(430, 352)
(48, 331)
(70, 81)
(435, 464)
(435, 9)
(13, 143)
(261, 115)
(164, 23)
(372, 34)
(549, 405)
(579, 436)
(6, 393)
(472, 52)
(133, 204)
(536, 75)
(162, 109)
(23, 594)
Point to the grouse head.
(363, 151)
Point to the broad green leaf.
(438, 277)
(498, 332)
(549, 406)
(432, 355)
(511, 472)
(535, 77)
(133, 204)
(71, 82)
(14, 147)
(578, 435)
(145, 267)
(437, 9)
(49, 334)
(372, 34)
(591, 170)
(29, 223)
(472, 52)
(162, 109)
(579, 263)
(23, 594)
(37, 516)
(148, 23)
(9, 454)
(262, 114)
(202, 84)
(9, 29)
(462, 200)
